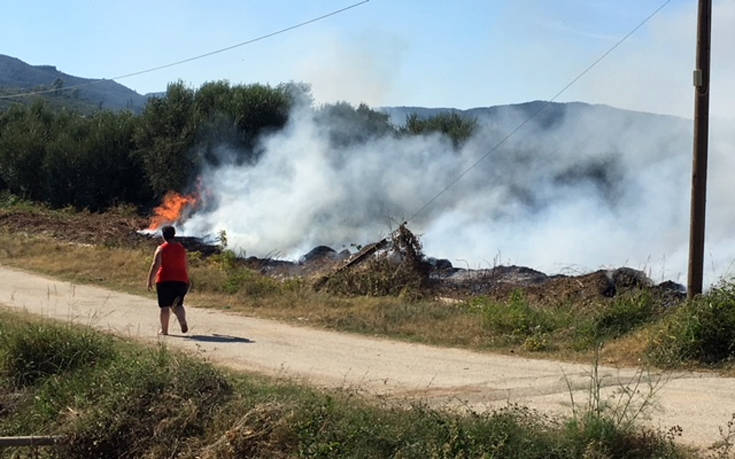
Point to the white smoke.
(589, 187)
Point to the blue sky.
(462, 53)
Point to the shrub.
(624, 314)
(148, 401)
(514, 317)
(458, 128)
(35, 351)
(702, 330)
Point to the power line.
(539, 111)
(189, 59)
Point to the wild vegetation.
(110, 398)
(94, 160)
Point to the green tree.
(165, 137)
(346, 125)
(24, 133)
(459, 129)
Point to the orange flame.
(171, 209)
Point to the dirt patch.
(110, 228)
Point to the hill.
(547, 114)
(17, 76)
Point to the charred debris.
(396, 265)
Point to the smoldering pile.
(397, 266)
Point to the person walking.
(169, 269)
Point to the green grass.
(142, 401)
(702, 331)
(37, 350)
(547, 327)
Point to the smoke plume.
(579, 188)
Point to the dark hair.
(168, 232)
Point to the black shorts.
(171, 293)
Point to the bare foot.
(184, 328)
(163, 333)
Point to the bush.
(148, 402)
(624, 314)
(35, 351)
(702, 330)
(515, 317)
(458, 128)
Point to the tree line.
(66, 157)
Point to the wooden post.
(30, 440)
(699, 163)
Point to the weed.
(38, 350)
(725, 447)
(608, 427)
(146, 399)
(514, 317)
(537, 342)
(702, 330)
(624, 314)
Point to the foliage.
(514, 317)
(164, 139)
(346, 125)
(101, 159)
(453, 125)
(625, 313)
(64, 155)
(37, 350)
(64, 158)
(702, 330)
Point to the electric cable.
(193, 58)
(538, 112)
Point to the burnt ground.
(121, 229)
(117, 229)
(112, 228)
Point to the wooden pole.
(699, 163)
(30, 440)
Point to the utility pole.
(699, 164)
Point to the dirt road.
(697, 402)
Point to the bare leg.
(181, 315)
(165, 314)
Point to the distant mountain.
(17, 76)
(545, 114)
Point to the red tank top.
(173, 263)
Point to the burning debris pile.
(177, 207)
(173, 208)
(388, 267)
(398, 267)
